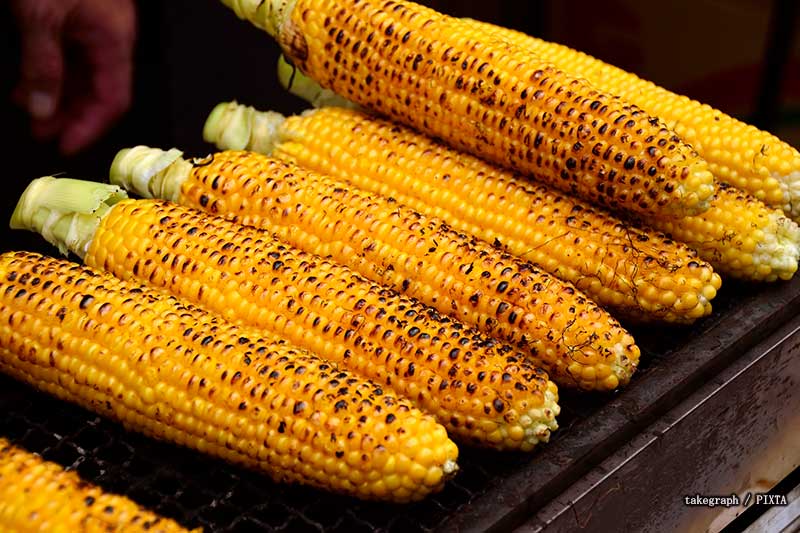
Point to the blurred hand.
(77, 63)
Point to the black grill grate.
(200, 491)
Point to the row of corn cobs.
(334, 311)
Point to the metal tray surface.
(492, 490)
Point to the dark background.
(739, 55)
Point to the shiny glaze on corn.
(488, 97)
(480, 389)
(37, 495)
(638, 274)
(175, 372)
(555, 325)
(740, 236)
(742, 155)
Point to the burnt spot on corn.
(385, 335)
(163, 337)
(428, 67)
(367, 210)
(85, 301)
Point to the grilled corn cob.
(738, 235)
(479, 389)
(739, 154)
(181, 374)
(37, 495)
(488, 97)
(638, 274)
(556, 326)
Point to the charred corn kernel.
(728, 243)
(488, 97)
(740, 236)
(37, 495)
(737, 153)
(640, 272)
(514, 301)
(254, 385)
(251, 278)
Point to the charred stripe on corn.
(639, 274)
(737, 153)
(180, 374)
(489, 97)
(556, 325)
(37, 495)
(480, 389)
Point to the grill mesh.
(200, 491)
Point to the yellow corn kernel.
(740, 236)
(613, 262)
(514, 301)
(247, 379)
(488, 97)
(37, 495)
(251, 278)
(750, 159)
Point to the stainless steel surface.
(738, 434)
(780, 519)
